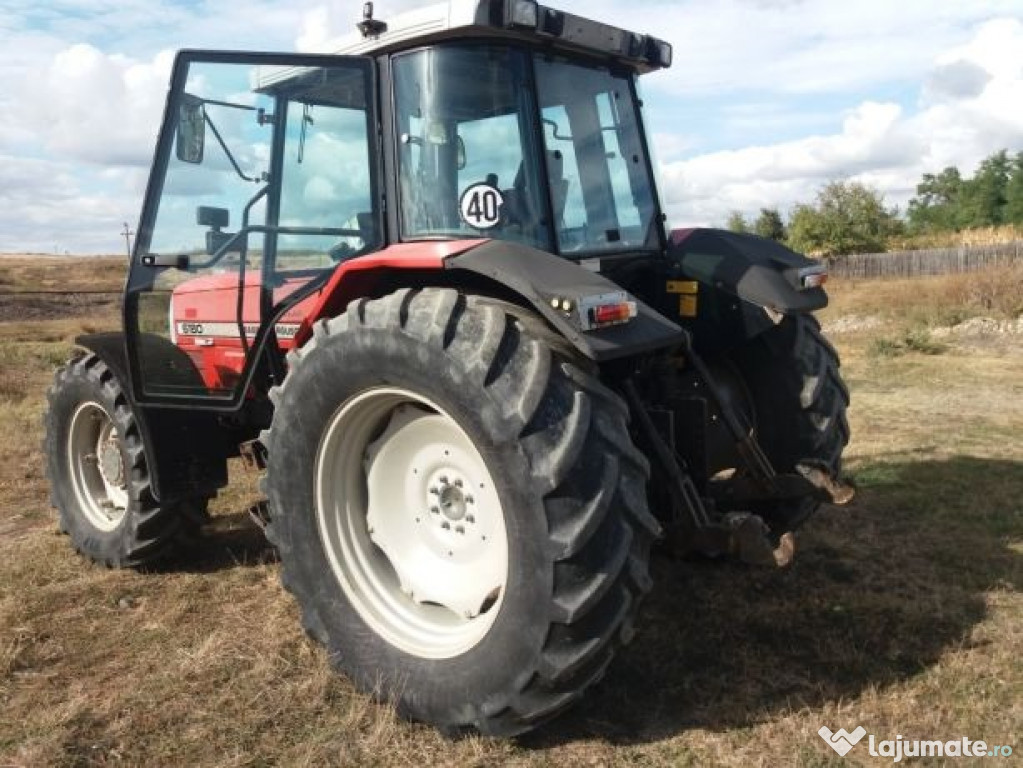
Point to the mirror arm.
(230, 104)
(223, 146)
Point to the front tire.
(401, 406)
(99, 474)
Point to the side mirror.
(215, 219)
(191, 136)
(208, 216)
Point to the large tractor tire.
(459, 510)
(791, 375)
(99, 475)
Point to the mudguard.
(735, 287)
(755, 269)
(186, 450)
(542, 279)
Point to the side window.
(326, 184)
(593, 146)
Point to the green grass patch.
(917, 340)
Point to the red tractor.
(426, 283)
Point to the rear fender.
(511, 271)
(747, 283)
(540, 279)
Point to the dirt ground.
(901, 613)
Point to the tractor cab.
(506, 121)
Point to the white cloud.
(48, 208)
(101, 108)
(977, 109)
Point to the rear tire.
(570, 504)
(99, 475)
(791, 373)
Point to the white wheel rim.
(411, 522)
(98, 475)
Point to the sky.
(766, 101)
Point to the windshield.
(474, 162)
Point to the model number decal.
(230, 330)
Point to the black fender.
(747, 283)
(755, 269)
(547, 282)
(186, 450)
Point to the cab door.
(264, 180)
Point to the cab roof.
(519, 20)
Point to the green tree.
(846, 217)
(737, 223)
(936, 207)
(769, 224)
(1014, 192)
(985, 195)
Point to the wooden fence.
(934, 261)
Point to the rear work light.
(521, 13)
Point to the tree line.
(849, 217)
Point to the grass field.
(902, 613)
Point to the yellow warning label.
(687, 306)
(683, 286)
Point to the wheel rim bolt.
(460, 529)
(446, 525)
(435, 491)
(435, 510)
(458, 482)
(470, 519)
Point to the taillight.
(813, 277)
(601, 310)
(612, 314)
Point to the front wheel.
(459, 510)
(99, 473)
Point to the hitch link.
(739, 534)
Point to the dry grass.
(902, 613)
(80, 273)
(1006, 233)
(941, 300)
